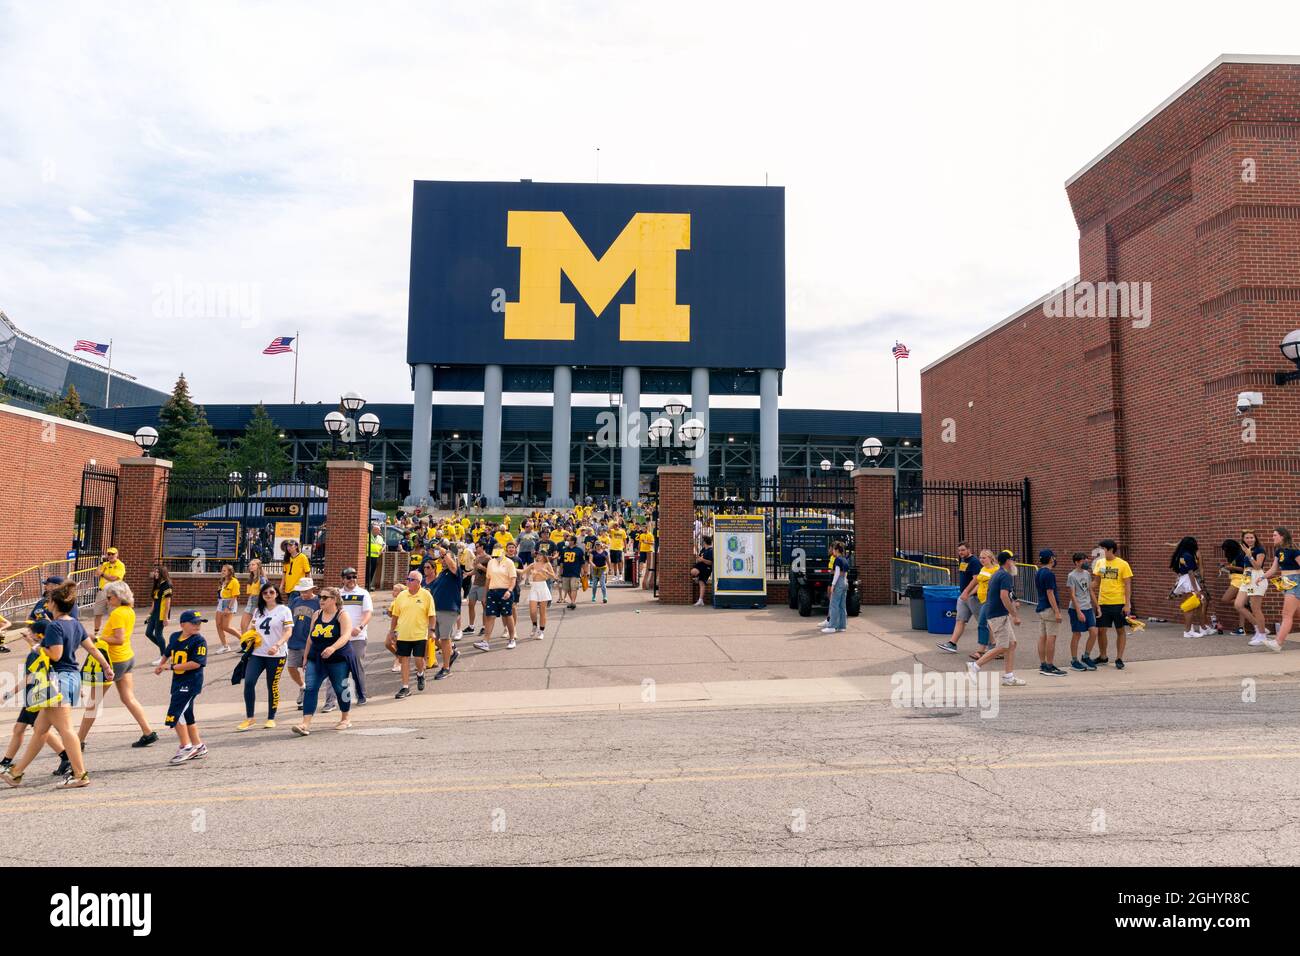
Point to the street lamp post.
(1290, 347)
(146, 437)
(872, 449)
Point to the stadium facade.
(36, 373)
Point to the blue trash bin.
(941, 608)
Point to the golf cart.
(810, 573)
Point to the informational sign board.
(739, 561)
(286, 531)
(213, 540)
(790, 525)
(546, 274)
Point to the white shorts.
(539, 591)
(1184, 585)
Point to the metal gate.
(931, 519)
(95, 521)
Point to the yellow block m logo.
(647, 246)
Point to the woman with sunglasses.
(329, 657)
(273, 623)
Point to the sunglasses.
(346, 576)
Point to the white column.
(768, 425)
(491, 468)
(633, 434)
(561, 400)
(421, 434)
(700, 410)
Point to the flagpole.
(897, 406)
(109, 381)
(297, 337)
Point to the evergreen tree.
(197, 452)
(260, 448)
(69, 406)
(176, 417)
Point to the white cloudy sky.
(923, 148)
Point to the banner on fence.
(740, 566)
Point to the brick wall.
(348, 517)
(873, 532)
(676, 533)
(41, 460)
(1130, 432)
(141, 506)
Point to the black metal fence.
(786, 506)
(931, 519)
(95, 521)
(230, 519)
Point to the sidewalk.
(636, 653)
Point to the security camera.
(1248, 400)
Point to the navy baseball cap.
(53, 579)
(1046, 554)
(192, 617)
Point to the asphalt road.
(1194, 777)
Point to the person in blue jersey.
(1002, 613)
(1185, 563)
(968, 605)
(186, 657)
(1049, 613)
(1285, 573)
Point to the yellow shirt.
(557, 537)
(617, 538)
(295, 571)
(504, 538)
(456, 532)
(1113, 573)
(412, 613)
(982, 582)
(111, 567)
(603, 539)
(647, 541)
(231, 588)
(123, 617)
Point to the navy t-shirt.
(706, 554)
(842, 564)
(967, 568)
(446, 591)
(1044, 581)
(302, 613)
(68, 634)
(1001, 581)
(599, 559)
(1288, 559)
(1186, 563)
(182, 650)
(572, 559)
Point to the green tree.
(197, 452)
(176, 417)
(69, 406)
(260, 448)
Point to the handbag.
(1190, 603)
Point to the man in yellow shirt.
(412, 613)
(296, 567)
(617, 540)
(110, 569)
(1112, 595)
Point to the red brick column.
(141, 507)
(676, 533)
(347, 518)
(873, 532)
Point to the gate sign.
(282, 509)
(216, 540)
(543, 274)
(739, 561)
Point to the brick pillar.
(347, 518)
(873, 532)
(676, 533)
(141, 507)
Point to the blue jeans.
(836, 614)
(336, 669)
(598, 582)
(984, 624)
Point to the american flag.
(94, 348)
(900, 350)
(279, 345)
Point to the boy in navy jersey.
(186, 656)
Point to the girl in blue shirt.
(1286, 571)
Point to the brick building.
(42, 460)
(1126, 424)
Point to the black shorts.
(1112, 615)
(27, 717)
(615, 556)
(499, 603)
(412, 648)
(704, 570)
(180, 709)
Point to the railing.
(20, 590)
(904, 574)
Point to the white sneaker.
(397, 668)
(1272, 645)
(1207, 631)
(825, 623)
(828, 630)
(510, 644)
(157, 662)
(699, 604)
(973, 669)
(1257, 640)
(541, 635)
(483, 645)
(1010, 680)
(181, 755)
(1193, 633)
(456, 635)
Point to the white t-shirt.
(273, 624)
(356, 601)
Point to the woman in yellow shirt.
(646, 541)
(115, 641)
(227, 605)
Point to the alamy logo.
(647, 247)
(1102, 300)
(76, 909)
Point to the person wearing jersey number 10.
(272, 628)
(329, 656)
